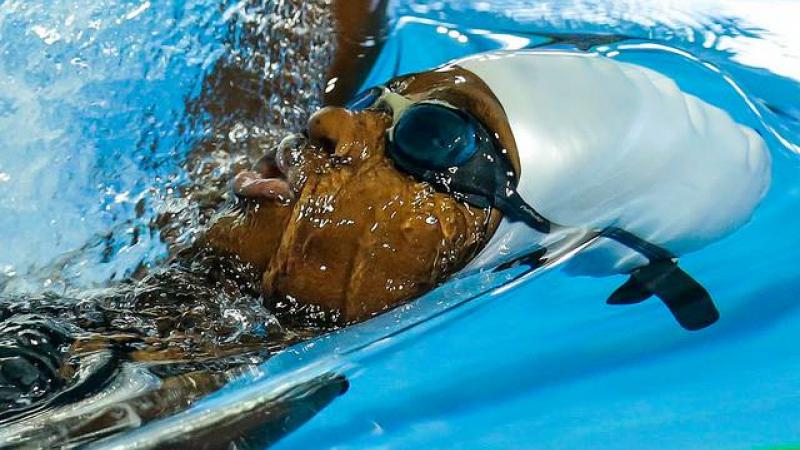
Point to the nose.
(330, 127)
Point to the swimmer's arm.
(360, 32)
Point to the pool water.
(94, 125)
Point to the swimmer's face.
(331, 221)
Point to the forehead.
(465, 90)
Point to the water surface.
(94, 120)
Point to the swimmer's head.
(333, 221)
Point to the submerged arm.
(360, 33)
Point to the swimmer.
(492, 159)
(485, 162)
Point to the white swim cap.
(607, 143)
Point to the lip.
(277, 175)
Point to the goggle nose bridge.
(398, 104)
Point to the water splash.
(129, 119)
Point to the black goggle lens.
(434, 136)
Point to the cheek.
(367, 239)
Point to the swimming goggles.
(451, 150)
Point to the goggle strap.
(516, 209)
(651, 251)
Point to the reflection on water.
(121, 122)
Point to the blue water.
(540, 363)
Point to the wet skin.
(325, 219)
(331, 222)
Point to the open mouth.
(277, 175)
